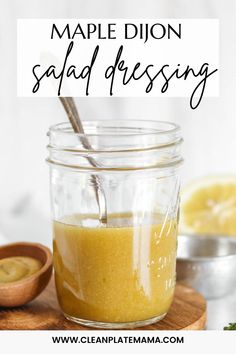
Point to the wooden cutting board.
(188, 311)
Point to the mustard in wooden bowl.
(17, 268)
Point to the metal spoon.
(73, 115)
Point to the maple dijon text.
(143, 31)
(122, 70)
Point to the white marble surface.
(221, 311)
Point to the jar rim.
(109, 136)
(116, 144)
(66, 128)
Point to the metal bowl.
(207, 263)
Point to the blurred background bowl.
(207, 263)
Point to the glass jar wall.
(115, 215)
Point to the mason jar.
(115, 201)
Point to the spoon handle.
(73, 115)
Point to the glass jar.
(115, 200)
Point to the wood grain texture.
(187, 312)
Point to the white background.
(209, 132)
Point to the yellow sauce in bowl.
(17, 268)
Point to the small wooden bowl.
(23, 291)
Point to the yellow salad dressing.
(115, 273)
